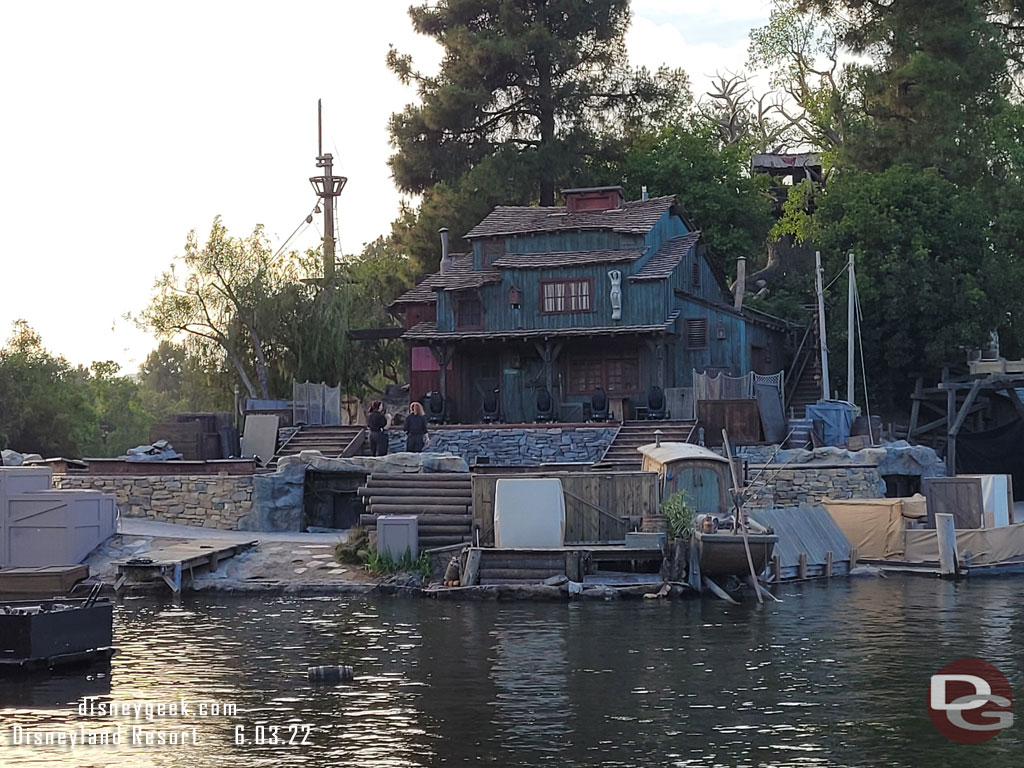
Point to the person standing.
(416, 438)
(377, 421)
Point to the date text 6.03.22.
(273, 735)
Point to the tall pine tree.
(529, 95)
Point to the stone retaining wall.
(808, 485)
(210, 501)
(528, 447)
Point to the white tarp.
(529, 512)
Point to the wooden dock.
(41, 580)
(173, 561)
(487, 565)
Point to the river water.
(835, 675)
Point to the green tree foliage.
(173, 381)
(930, 77)
(221, 299)
(929, 284)
(45, 403)
(710, 179)
(532, 93)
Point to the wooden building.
(599, 292)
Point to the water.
(836, 675)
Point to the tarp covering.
(876, 527)
(807, 530)
(975, 547)
(838, 418)
(995, 452)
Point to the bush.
(679, 515)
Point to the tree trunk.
(261, 360)
(237, 362)
(547, 132)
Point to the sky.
(126, 124)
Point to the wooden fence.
(600, 507)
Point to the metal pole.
(826, 391)
(850, 329)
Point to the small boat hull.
(66, 632)
(723, 554)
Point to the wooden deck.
(523, 565)
(173, 561)
(41, 580)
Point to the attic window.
(492, 251)
(469, 313)
(696, 329)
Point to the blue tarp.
(838, 418)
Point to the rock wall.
(528, 447)
(210, 501)
(808, 485)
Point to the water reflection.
(836, 675)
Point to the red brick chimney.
(592, 199)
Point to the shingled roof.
(460, 275)
(666, 258)
(567, 258)
(636, 217)
(427, 331)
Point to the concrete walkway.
(132, 526)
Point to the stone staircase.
(330, 441)
(622, 454)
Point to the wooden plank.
(965, 409)
(949, 565)
(915, 405)
(538, 574)
(950, 437)
(418, 509)
(471, 572)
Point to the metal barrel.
(330, 674)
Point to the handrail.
(801, 360)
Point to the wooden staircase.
(622, 455)
(803, 380)
(330, 441)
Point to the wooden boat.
(723, 553)
(44, 634)
(704, 476)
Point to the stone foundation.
(803, 486)
(210, 501)
(524, 447)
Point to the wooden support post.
(915, 406)
(694, 579)
(472, 572)
(950, 438)
(949, 565)
(548, 351)
(854, 556)
(828, 564)
(776, 568)
(573, 566)
(717, 591)
(802, 566)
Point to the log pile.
(518, 567)
(442, 503)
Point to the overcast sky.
(126, 124)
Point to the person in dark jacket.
(416, 429)
(377, 421)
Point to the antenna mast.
(327, 188)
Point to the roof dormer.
(592, 199)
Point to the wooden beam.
(950, 436)
(1011, 392)
(961, 417)
(915, 407)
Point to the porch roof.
(427, 331)
(567, 258)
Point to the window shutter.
(696, 333)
